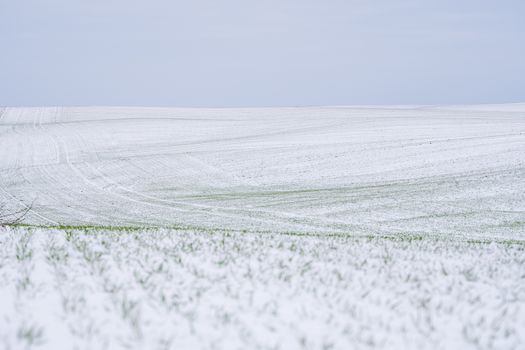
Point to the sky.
(242, 53)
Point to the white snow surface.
(396, 227)
(450, 170)
(183, 289)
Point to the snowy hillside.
(456, 170)
(290, 228)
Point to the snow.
(183, 289)
(399, 227)
(453, 170)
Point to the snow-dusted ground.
(179, 289)
(399, 227)
(435, 170)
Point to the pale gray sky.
(261, 53)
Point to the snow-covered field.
(398, 227)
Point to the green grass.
(400, 237)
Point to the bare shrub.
(10, 217)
